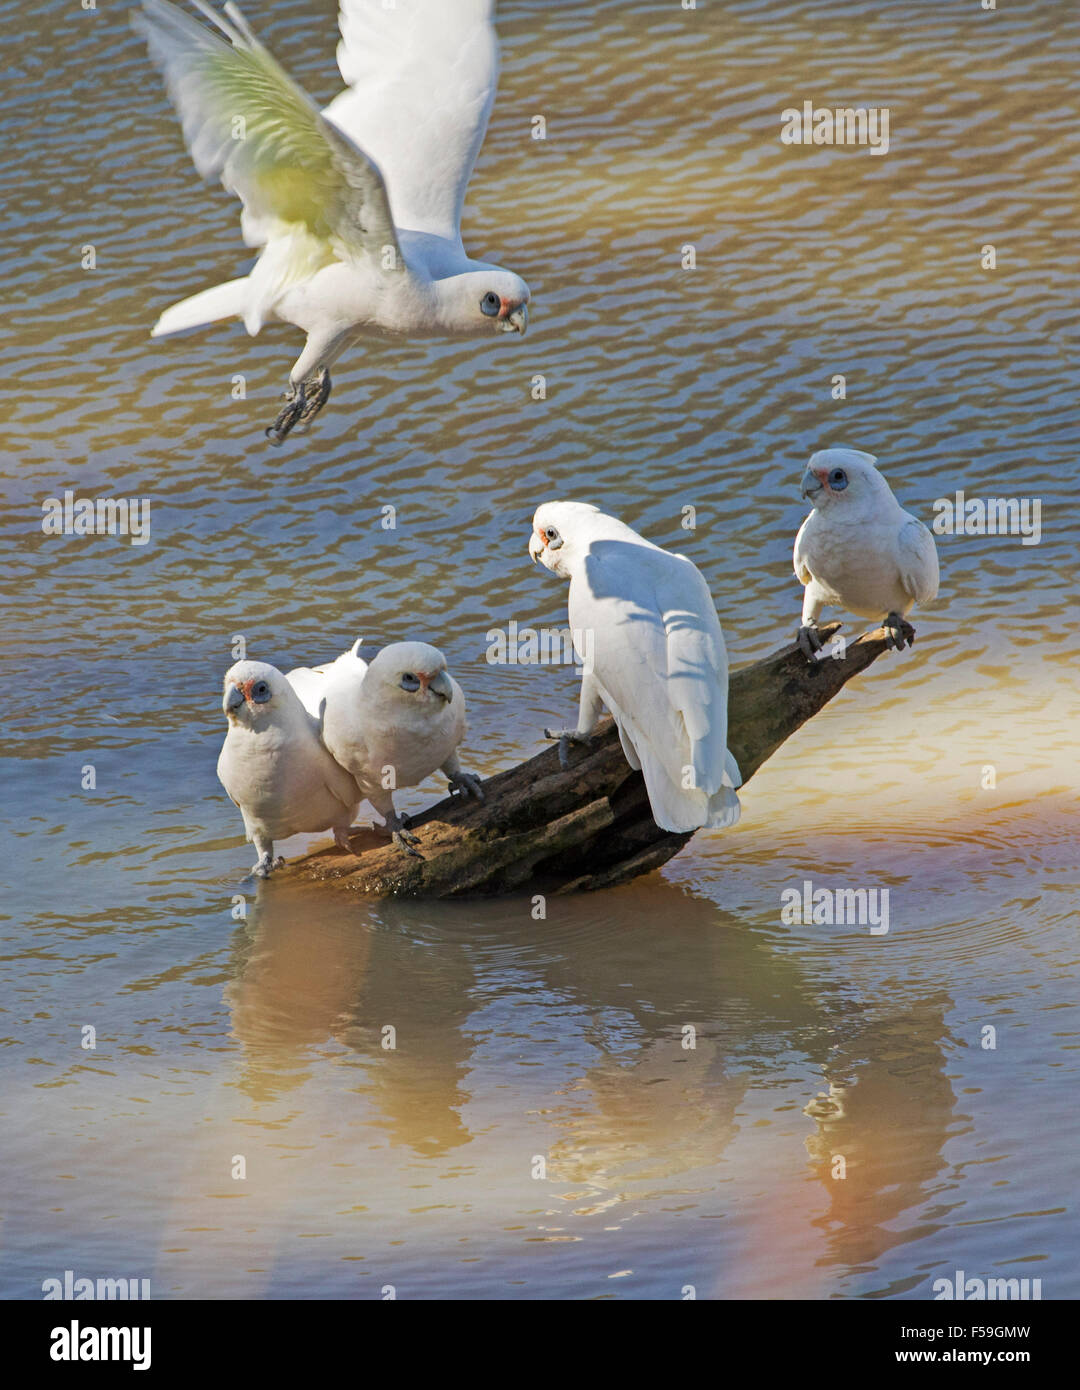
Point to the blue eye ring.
(490, 304)
(409, 682)
(260, 692)
(838, 480)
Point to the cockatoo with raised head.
(391, 723)
(858, 549)
(274, 766)
(658, 661)
(356, 209)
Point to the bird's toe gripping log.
(587, 825)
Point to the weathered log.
(586, 826)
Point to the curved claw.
(566, 737)
(303, 401)
(317, 393)
(466, 785)
(295, 399)
(405, 842)
(810, 641)
(897, 632)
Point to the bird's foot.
(402, 836)
(303, 401)
(341, 836)
(316, 393)
(466, 785)
(897, 632)
(566, 737)
(266, 865)
(810, 641)
(295, 399)
(405, 841)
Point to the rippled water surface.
(667, 388)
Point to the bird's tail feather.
(221, 302)
(678, 808)
(675, 806)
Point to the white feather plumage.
(274, 766)
(659, 660)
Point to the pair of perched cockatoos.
(303, 750)
(656, 652)
(356, 210)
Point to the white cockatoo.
(658, 660)
(356, 209)
(390, 722)
(274, 766)
(858, 549)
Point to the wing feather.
(916, 555)
(662, 666)
(802, 569)
(248, 123)
(421, 76)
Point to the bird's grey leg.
(341, 837)
(808, 637)
(309, 381)
(589, 707)
(810, 640)
(897, 631)
(464, 783)
(266, 863)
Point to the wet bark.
(554, 830)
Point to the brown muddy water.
(947, 775)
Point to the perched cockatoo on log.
(658, 660)
(274, 766)
(390, 722)
(858, 549)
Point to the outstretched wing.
(917, 558)
(246, 121)
(422, 77)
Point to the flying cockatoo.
(391, 723)
(274, 766)
(356, 209)
(858, 549)
(658, 661)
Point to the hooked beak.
(517, 322)
(811, 482)
(234, 698)
(441, 686)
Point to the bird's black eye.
(551, 533)
(409, 681)
(260, 692)
(838, 480)
(490, 304)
